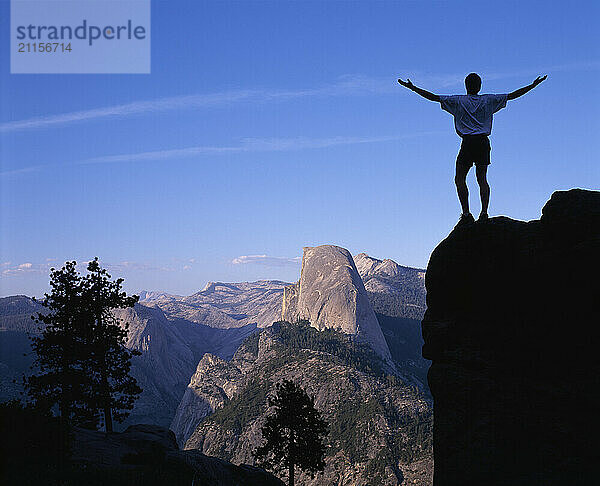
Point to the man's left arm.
(525, 89)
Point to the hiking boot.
(483, 217)
(465, 219)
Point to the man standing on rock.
(473, 115)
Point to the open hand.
(538, 80)
(407, 84)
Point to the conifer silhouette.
(81, 355)
(293, 433)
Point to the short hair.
(473, 83)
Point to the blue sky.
(265, 127)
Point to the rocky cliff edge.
(512, 310)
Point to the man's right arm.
(424, 93)
(526, 89)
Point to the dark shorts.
(474, 149)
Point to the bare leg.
(484, 187)
(460, 179)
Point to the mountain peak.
(331, 294)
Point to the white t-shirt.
(473, 113)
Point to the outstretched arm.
(424, 93)
(525, 89)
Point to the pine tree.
(293, 434)
(60, 351)
(109, 360)
(81, 353)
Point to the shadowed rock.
(512, 308)
(148, 454)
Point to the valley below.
(209, 361)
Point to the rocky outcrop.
(331, 294)
(214, 382)
(148, 454)
(512, 308)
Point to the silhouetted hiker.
(473, 115)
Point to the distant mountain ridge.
(173, 332)
(393, 289)
(171, 349)
(15, 347)
(224, 305)
(386, 275)
(148, 296)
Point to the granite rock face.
(214, 382)
(512, 308)
(331, 294)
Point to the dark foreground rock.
(512, 310)
(37, 448)
(148, 454)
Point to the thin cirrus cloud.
(345, 85)
(251, 145)
(266, 260)
(246, 145)
(8, 269)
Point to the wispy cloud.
(269, 261)
(346, 85)
(139, 266)
(533, 72)
(23, 170)
(129, 109)
(9, 269)
(252, 145)
(245, 145)
(440, 81)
